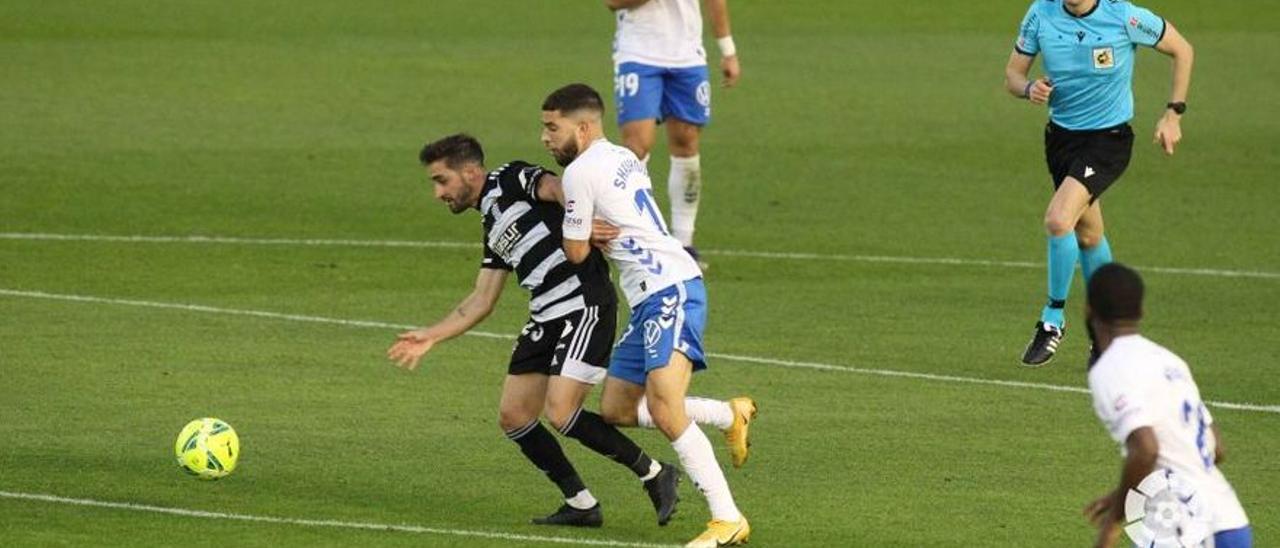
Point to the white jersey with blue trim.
(1138, 383)
(661, 33)
(608, 182)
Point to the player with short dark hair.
(653, 362)
(1147, 399)
(564, 348)
(1089, 49)
(733, 417)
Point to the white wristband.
(727, 48)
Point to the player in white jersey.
(660, 76)
(1146, 397)
(606, 185)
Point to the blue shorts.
(1234, 538)
(668, 321)
(646, 92)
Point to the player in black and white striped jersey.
(563, 350)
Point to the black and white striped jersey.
(522, 234)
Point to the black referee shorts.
(1095, 157)
(576, 345)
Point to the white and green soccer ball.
(207, 448)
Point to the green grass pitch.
(860, 129)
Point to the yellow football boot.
(722, 533)
(744, 410)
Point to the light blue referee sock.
(1064, 251)
(1093, 258)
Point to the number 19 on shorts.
(626, 85)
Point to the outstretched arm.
(410, 346)
(1173, 44)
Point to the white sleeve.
(1119, 404)
(579, 205)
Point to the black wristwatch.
(1178, 107)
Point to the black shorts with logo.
(1095, 157)
(576, 345)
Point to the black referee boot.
(573, 517)
(662, 490)
(1043, 345)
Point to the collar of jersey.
(1085, 14)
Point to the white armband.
(727, 48)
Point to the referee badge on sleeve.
(1103, 58)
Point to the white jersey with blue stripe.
(608, 182)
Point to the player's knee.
(511, 418)
(683, 145)
(617, 411)
(558, 413)
(665, 415)
(1057, 223)
(1088, 239)
(638, 146)
(618, 415)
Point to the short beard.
(462, 203)
(566, 154)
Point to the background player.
(1089, 51)
(562, 350)
(1146, 397)
(660, 76)
(662, 345)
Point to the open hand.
(409, 347)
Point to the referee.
(1088, 48)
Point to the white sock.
(684, 188)
(709, 412)
(706, 411)
(699, 461)
(582, 501)
(643, 418)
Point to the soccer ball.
(207, 448)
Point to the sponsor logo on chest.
(504, 244)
